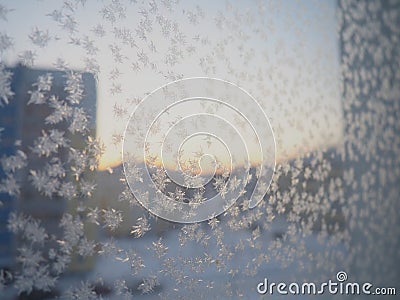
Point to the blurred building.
(23, 123)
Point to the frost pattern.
(329, 208)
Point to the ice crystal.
(112, 218)
(148, 285)
(141, 227)
(6, 42)
(39, 37)
(5, 85)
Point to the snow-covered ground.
(206, 284)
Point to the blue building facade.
(22, 123)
